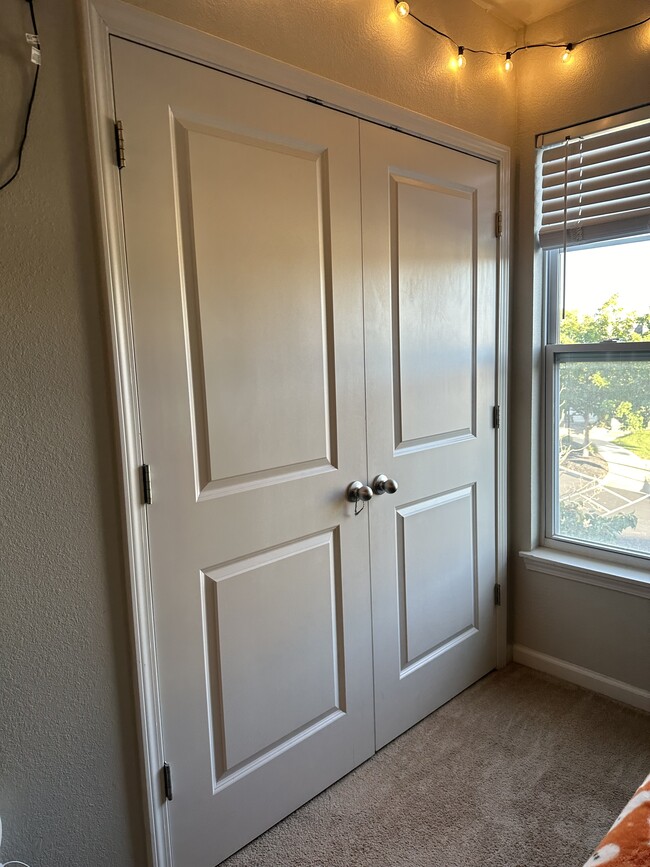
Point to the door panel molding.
(224, 646)
(99, 20)
(417, 423)
(420, 608)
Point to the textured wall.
(69, 786)
(605, 76)
(366, 46)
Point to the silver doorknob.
(358, 491)
(384, 485)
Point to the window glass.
(607, 293)
(593, 198)
(604, 452)
(601, 398)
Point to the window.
(595, 197)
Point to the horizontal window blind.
(596, 187)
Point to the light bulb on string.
(402, 10)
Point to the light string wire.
(514, 51)
(30, 104)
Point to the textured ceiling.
(517, 13)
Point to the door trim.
(101, 19)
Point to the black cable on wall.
(36, 59)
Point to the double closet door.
(313, 303)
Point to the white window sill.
(625, 579)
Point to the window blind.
(596, 187)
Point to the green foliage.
(629, 419)
(610, 322)
(578, 522)
(597, 392)
(638, 442)
(601, 391)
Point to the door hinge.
(146, 484)
(167, 781)
(497, 594)
(496, 416)
(498, 224)
(119, 144)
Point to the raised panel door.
(430, 317)
(242, 211)
(242, 220)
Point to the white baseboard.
(592, 680)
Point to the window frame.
(608, 350)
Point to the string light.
(402, 8)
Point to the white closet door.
(242, 219)
(430, 280)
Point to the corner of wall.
(551, 95)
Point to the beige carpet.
(521, 770)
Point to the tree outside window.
(601, 400)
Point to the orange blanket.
(627, 844)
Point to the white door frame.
(99, 20)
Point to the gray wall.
(602, 630)
(69, 784)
